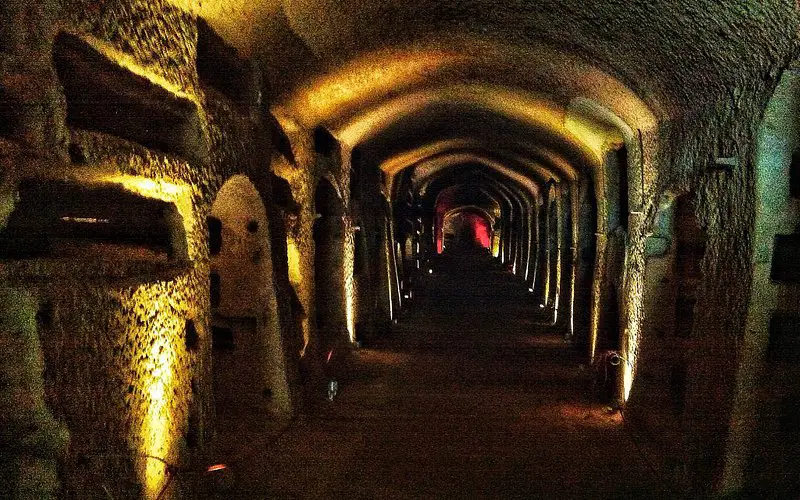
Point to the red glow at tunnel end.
(481, 230)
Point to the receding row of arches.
(228, 279)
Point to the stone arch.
(552, 234)
(471, 225)
(249, 368)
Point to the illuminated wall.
(299, 229)
(247, 288)
(126, 342)
(303, 176)
(767, 376)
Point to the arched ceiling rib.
(358, 67)
(501, 202)
(679, 56)
(539, 141)
(503, 189)
(474, 110)
(524, 108)
(472, 209)
(342, 93)
(466, 194)
(542, 163)
(425, 170)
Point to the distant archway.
(466, 229)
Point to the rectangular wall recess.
(219, 66)
(105, 97)
(794, 175)
(784, 338)
(785, 261)
(66, 219)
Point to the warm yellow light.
(598, 137)
(428, 168)
(293, 256)
(559, 232)
(164, 190)
(627, 374)
(239, 22)
(547, 165)
(349, 283)
(364, 95)
(631, 348)
(131, 64)
(85, 220)
(296, 281)
(525, 107)
(159, 428)
(363, 81)
(152, 188)
(496, 244)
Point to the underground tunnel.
(384, 249)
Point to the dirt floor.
(467, 397)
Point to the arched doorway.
(466, 229)
(248, 362)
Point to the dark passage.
(467, 397)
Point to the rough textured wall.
(304, 175)
(122, 374)
(658, 396)
(123, 369)
(342, 170)
(725, 210)
(645, 44)
(374, 301)
(586, 223)
(301, 177)
(32, 107)
(764, 437)
(239, 262)
(247, 292)
(705, 69)
(565, 247)
(159, 37)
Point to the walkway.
(467, 398)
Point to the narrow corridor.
(200, 200)
(468, 397)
